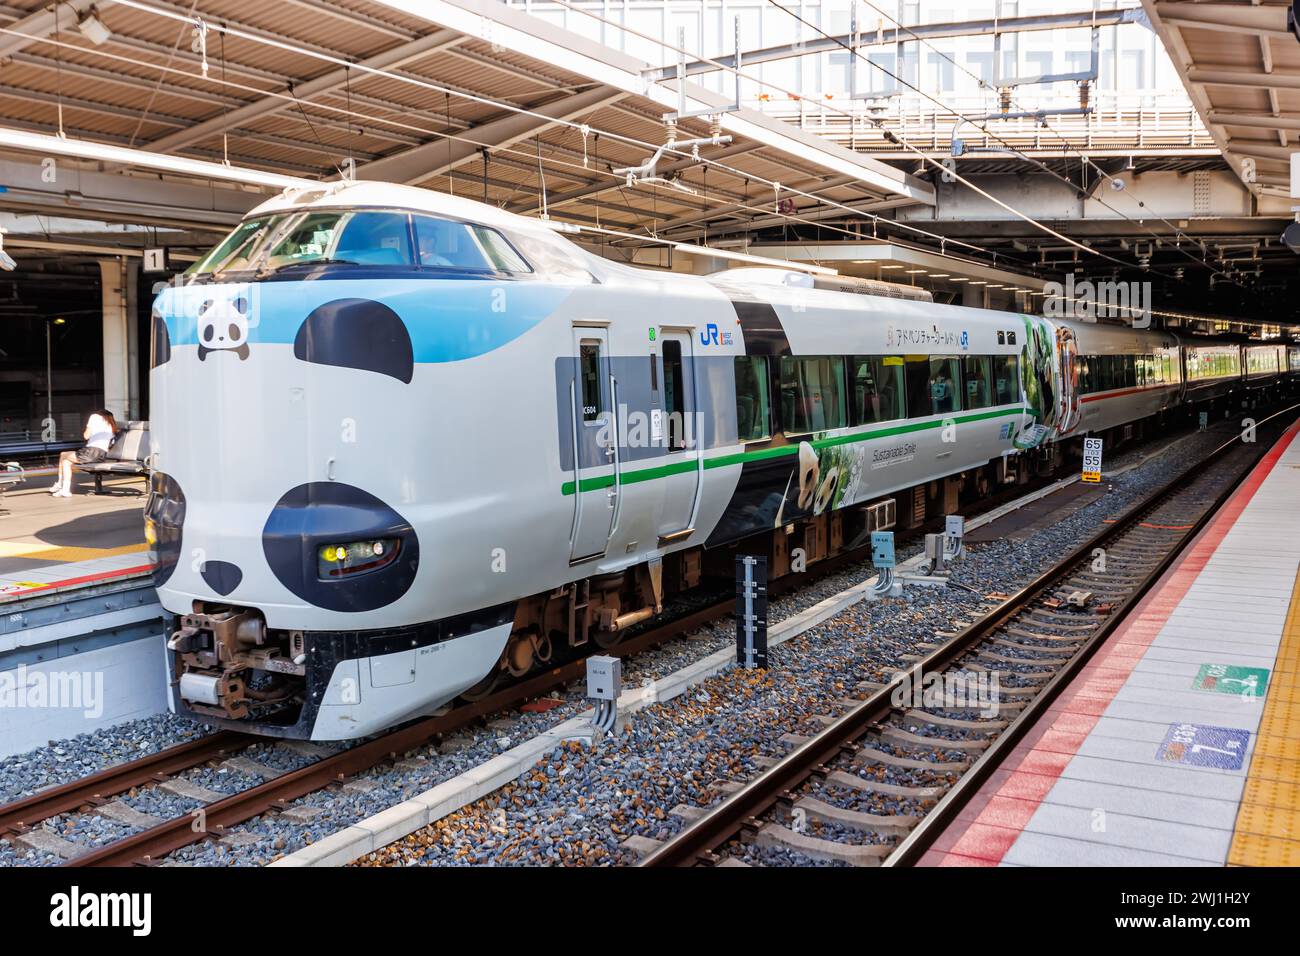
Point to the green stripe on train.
(758, 454)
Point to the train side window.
(812, 394)
(916, 371)
(1006, 379)
(876, 388)
(1130, 371)
(499, 252)
(945, 385)
(975, 373)
(1081, 374)
(753, 415)
(674, 397)
(589, 390)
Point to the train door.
(679, 433)
(595, 443)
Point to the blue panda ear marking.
(357, 333)
(160, 350)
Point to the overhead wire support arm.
(646, 171)
(682, 112)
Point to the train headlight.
(354, 557)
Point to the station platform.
(50, 544)
(1179, 743)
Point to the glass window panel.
(1006, 379)
(375, 239)
(593, 405)
(752, 415)
(876, 392)
(812, 394)
(975, 374)
(945, 385)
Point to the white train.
(408, 444)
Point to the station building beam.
(335, 79)
(42, 23)
(420, 163)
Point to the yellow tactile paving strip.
(1268, 823)
(47, 552)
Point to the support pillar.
(131, 268)
(121, 383)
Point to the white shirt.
(101, 435)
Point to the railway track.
(923, 758)
(148, 845)
(96, 790)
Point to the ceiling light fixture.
(124, 156)
(93, 29)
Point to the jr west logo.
(711, 336)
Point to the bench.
(128, 455)
(11, 473)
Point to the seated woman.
(101, 429)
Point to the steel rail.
(21, 815)
(744, 809)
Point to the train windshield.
(361, 237)
(237, 251)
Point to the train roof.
(393, 195)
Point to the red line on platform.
(988, 827)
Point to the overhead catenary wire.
(893, 137)
(1084, 158)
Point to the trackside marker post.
(1092, 460)
(751, 611)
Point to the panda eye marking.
(234, 331)
(207, 334)
(165, 507)
(357, 333)
(315, 515)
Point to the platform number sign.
(1197, 745)
(1092, 459)
(155, 260)
(1232, 679)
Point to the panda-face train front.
(307, 504)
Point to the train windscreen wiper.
(264, 273)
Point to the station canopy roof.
(471, 97)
